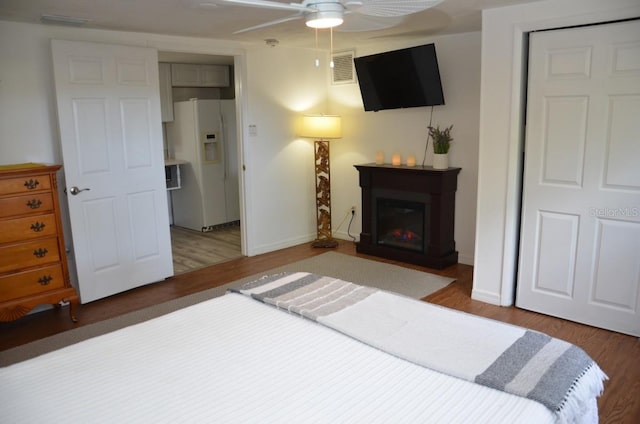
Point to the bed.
(292, 347)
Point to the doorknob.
(75, 190)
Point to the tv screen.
(400, 78)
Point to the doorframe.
(240, 82)
(496, 255)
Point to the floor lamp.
(322, 128)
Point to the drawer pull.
(34, 203)
(31, 184)
(40, 253)
(37, 227)
(45, 279)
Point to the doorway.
(193, 249)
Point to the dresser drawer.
(26, 204)
(27, 228)
(31, 282)
(30, 254)
(28, 184)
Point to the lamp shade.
(321, 126)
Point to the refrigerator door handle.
(223, 141)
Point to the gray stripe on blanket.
(556, 383)
(319, 288)
(552, 387)
(286, 288)
(312, 296)
(266, 279)
(507, 366)
(348, 296)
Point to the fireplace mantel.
(436, 188)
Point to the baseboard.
(465, 259)
(282, 244)
(343, 235)
(485, 296)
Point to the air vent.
(343, 70)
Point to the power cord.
(346, 215)
(353, 214)
(426, 147)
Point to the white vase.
(440, 161)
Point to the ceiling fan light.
(323, 20)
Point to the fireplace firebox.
(408, 214)
(400, 224)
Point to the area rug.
(411, 283)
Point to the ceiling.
(215, 19)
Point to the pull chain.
(317, 60)
(331, 65)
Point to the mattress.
(234, 360)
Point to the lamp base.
(325, 243)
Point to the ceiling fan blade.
(270, 23)
(354, 22)
(388, 8)
(265, 4)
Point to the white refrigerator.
(203, 133)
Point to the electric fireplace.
(408, 214)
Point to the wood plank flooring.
(194, 249)
(618, 355)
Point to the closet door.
(580, 233)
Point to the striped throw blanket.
(501, 356)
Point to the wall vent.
(343, 71)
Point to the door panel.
(110, 126)
(145, 238)
(136, 135)
(555, 260)
(91, 136)
(580, 229)
(617, 261)
(102, 240)
(566, 127)
(623, 145)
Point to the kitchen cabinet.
(193, 75)
(166, 95)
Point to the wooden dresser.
(33, 262)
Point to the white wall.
(275, 91)
(405, 131)
(283, 85)
(501, 107)
(280, 85)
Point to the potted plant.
(441, 143)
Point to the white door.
(110, 129)
(580, 234)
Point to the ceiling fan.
(357, 15)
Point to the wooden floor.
(617, 354)
(194, 249)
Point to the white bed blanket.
(553, 372)
(234, 360)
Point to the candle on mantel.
(396, 160)
(379, 157)
(411, 160)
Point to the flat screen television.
(400, 78)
